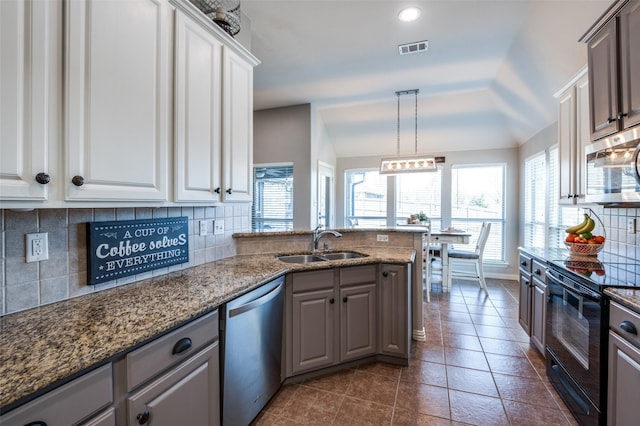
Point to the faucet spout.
(317, 234)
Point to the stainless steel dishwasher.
(251, 342)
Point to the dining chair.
(462, 257)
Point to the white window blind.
(366, 196)
(272, 208)
(535, 199)
(419, 192)
(478, 195)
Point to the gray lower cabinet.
(526, 288)
(76, 402)
(358, 312)
(623, 407)
(395, 312)
(538, 305)
(187, 394)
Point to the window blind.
(419, 192)
(272, 208)
(366, 196)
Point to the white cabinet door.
(198, 94)
(117, 99)
(30, 52)
(583, 136)
(237, 139)
(566, 144)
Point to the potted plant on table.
(419, 218)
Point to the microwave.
(612, 169)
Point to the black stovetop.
(605, 270)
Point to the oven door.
(573, 329)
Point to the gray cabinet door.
(624, 382)
(603, 81)
(187, 394)
(524, 316)
(312, 340)
(538, 311)
(394, 311)
(630, 63)
(358, 316)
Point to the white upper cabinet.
(198, 96)
(30, 52)
(117, 100)
(237, 129)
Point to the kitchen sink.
(301, 258)
(343, 255)
(308, 258)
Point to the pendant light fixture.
(408, 164)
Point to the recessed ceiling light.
(409, 14)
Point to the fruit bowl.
(584, 249)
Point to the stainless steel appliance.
(613, 169)
(576, 329)
(251, 342)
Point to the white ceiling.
(487, 80)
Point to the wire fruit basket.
(584, 249)
(225, 13)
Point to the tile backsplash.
(619, 241)
(64, 274)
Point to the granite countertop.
(42, 346)
(627, 297)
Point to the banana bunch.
(586, 226)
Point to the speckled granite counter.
(44, 345)
(626, 297)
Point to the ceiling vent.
(416, 47)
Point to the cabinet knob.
(229, 191)
(569, 196)
(43, 178)
(217, 190)
(629, 327)
(182, 345)
(332, 300)
(344, 299)
(77, 180)
(611, 120)
(143, 417)
(385, 274)
(537, 271)
(621, 115)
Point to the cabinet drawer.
(525, 263)
(358, 275)
(156, 356)
(68, 404)
(312, 280)
(538, 270)
(620, 315)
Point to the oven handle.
(575, 287)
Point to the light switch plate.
(37, 247)
(203, 228)
(218, 227)
(383, 238)
(631, 225)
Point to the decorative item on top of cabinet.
(614, 70)
(30, 85)
(573, 137)
(117, 99)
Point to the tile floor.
(475, 367)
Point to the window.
(478, 195)
(272, 208)
(418, 192)
(366, 199)
(535, 200)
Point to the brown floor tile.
(449, 327)
(335, 382)
(382, 369)
(462, 341)
(490, 331)
(429, 373)
(511, 365)
(373, 387)
(312, 406)
(465, 358)
(281, 399)
(524, 389)
(476, 409)
(468, 380)
(456, 316)
(411, 418)
(487, 320)
(530, 415)
(357, 412)
(267, 419)
(423, 399)
(427, 353)
(483, 310)
(501, 347)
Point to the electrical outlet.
(37, 247)
(631, 226)
(383, 238)
(218, 227)
(203, 228)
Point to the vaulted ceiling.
(486, 81)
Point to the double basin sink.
(320, 257)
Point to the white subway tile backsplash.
(26, 285)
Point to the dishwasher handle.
(252, 304)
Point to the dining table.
(445, 238)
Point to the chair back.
(482, 238)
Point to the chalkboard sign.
(122, 248)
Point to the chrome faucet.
(317, 234)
